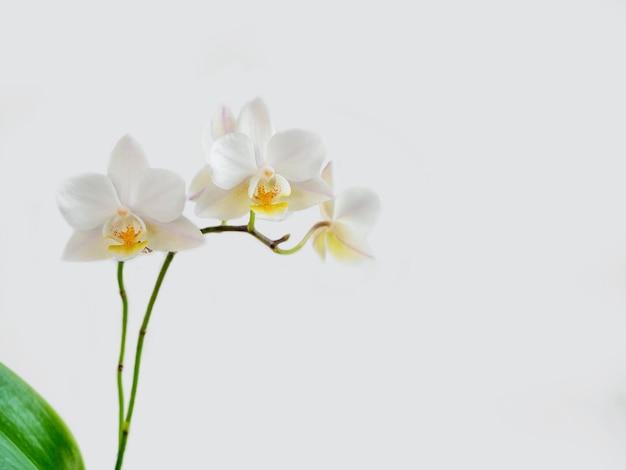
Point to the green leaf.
(32, 435)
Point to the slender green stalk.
(248, 228)
(251, 222)
(120, 362)
(296, 248)
(142, 334)
(271, 244)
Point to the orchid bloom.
(134, 208)
(350, 216)
(210, 200)
(252, 167)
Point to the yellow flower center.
(265, 194)
(127, 232)
(128, 236)
(269, 189)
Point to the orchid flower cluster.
(251, 170)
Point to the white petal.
(308, 193)
(283, 184)
(223, 204)
(232, 160)
(327, 208)
(296, 154)
(327, 174)
(87, 201)
(178, 235)
(319, 243)
(357, 208)
(158, 194)
(254, 121)
(126, 164)
(87, 245)
(252, 184)
(223, 124)
(199, 182)
(220, 125)
(346, 246)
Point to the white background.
(490, 332)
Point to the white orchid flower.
(252, 167)
(133, 208)
(212, 201)
(350, 216)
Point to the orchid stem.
(308, 235)
(251, 222)
(271, 244)
(142, 334)
(120, 362)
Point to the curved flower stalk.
(253, 167)
(132, 209)
(350, 217)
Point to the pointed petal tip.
(178, 235)
(327, 174)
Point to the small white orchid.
(133, 208)
(350, 216)
(210, 200)
(252, 167)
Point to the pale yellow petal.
(199, 182)
(352, 253)
(271, 211)
(319, 243)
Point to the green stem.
(271, 244)
(296, 248)
(142, 334)
(251, 222)
(120, 362)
